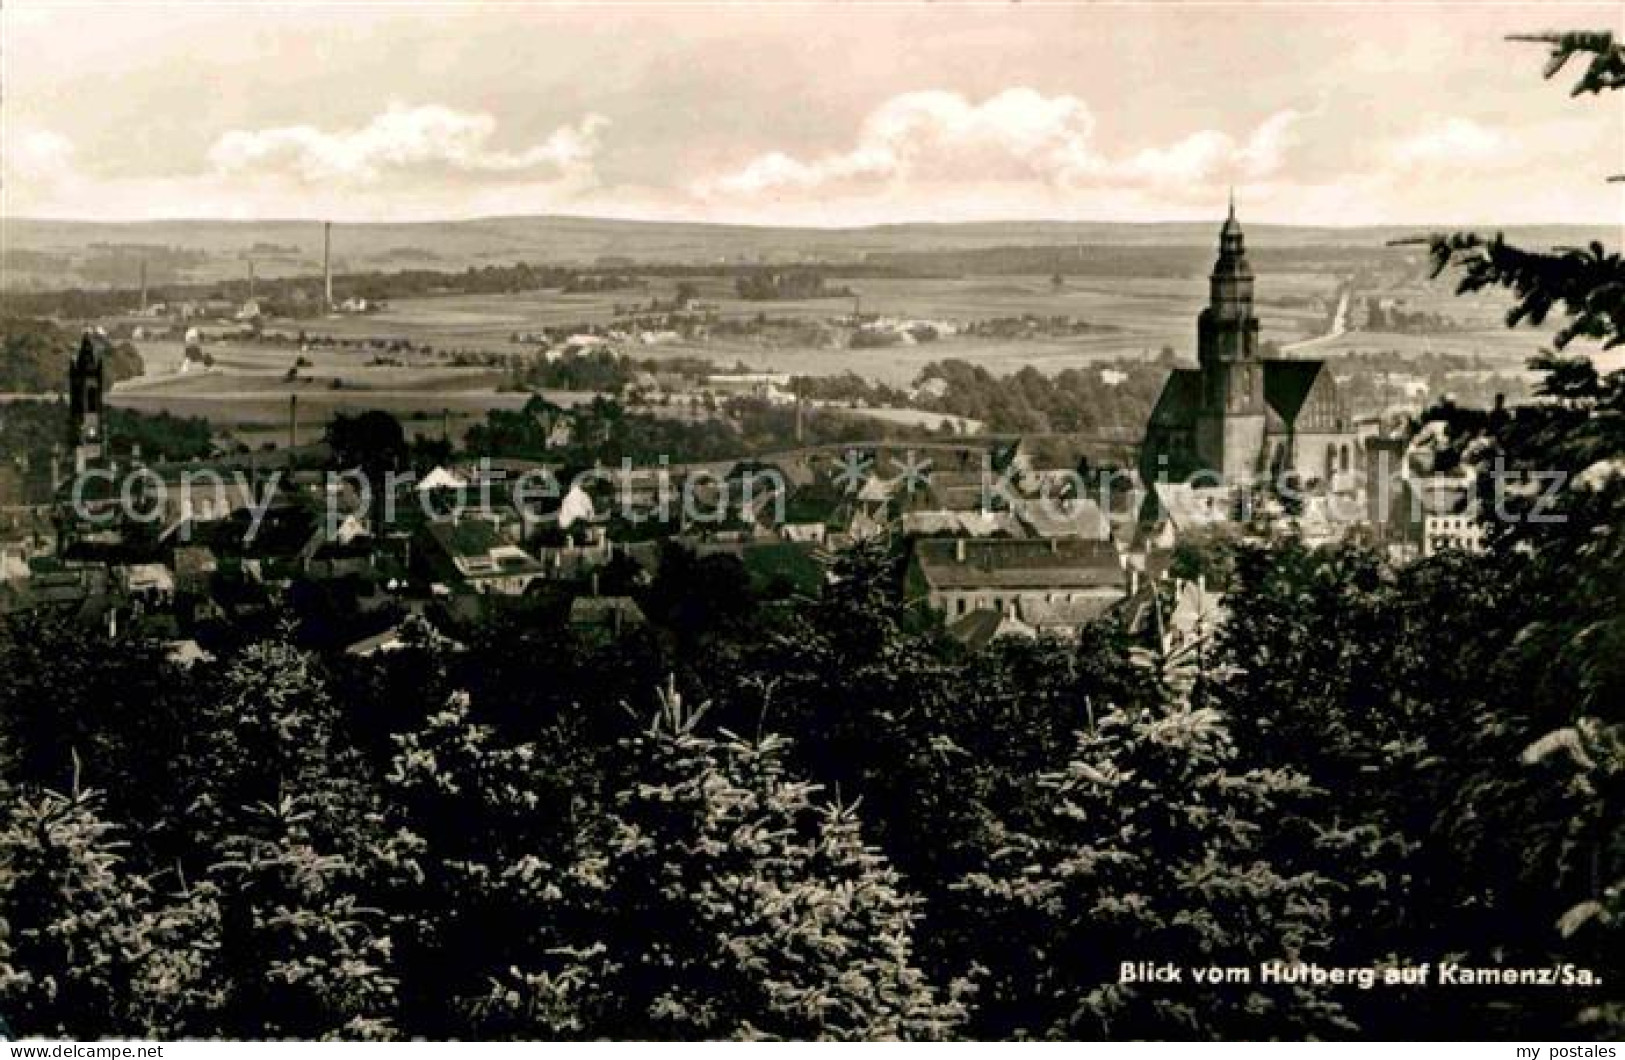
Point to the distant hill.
(56, 254)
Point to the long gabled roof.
(1287, 385)
(1031, 563)
(1181, 399)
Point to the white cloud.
(421, 162)
(400, 140)
(938, 137)
(921, 155)
(1210, 156)
(934, 135)
(1454, 141)
(36, 154)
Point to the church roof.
(1181, 399)
(1287, 385)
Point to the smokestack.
(327, 262)
(143, 285)
(250, 279)
(293, 423)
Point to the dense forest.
(1111, 401)
(34, 357)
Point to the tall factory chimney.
(143, 285)
(327, 262)
(250, 279)
(293, 424)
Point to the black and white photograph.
(700, 521)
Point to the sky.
(807, 114)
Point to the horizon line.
(768, 226)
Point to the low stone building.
(957, 577)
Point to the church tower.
(1230, 418)
(87, 383)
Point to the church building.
(87, 386)
(1239, 415)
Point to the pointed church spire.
(1231, 283)
(1230, 242)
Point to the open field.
(1499, 346)
(261, 417)
(239, 379)
(163, 359)
(1136, 317)
(900, 365)
(247, 390)
(1125, 301)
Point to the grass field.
(247, 388)
(1500, 346)
(246, 391)
(1138, 317)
